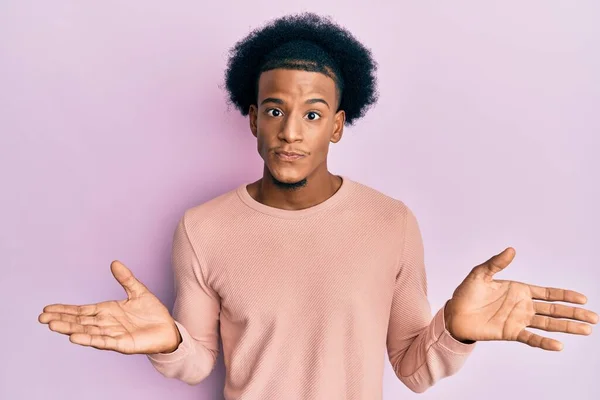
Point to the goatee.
(289, 186)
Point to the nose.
(291, 130)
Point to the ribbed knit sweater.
(306, 302)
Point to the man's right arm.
(196, 314)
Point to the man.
(306, 276)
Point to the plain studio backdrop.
(113, 122)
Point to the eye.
(278, 112)
(315, 116)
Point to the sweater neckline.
(342, 191)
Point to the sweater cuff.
(184, 348)
(445, 339)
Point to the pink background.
(112, 123)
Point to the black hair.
(307, 42)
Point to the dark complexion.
(295, 112)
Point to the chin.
(289, 178)
(288, 175)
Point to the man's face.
(295, 112)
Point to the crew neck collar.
(342, 191)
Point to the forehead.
(295, 83)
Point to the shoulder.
(212, 212)
(378, 200)
(382, 210)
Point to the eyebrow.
(279, 101)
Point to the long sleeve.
(196, 313)
(420, 349)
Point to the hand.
(139, 325)
(483, 308)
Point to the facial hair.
(289, 186)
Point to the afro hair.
(307, 42)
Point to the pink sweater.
(306, 302)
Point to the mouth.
(285, 156)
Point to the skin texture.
(286, 117)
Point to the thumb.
(497, 263)
(124, 276)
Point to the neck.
(308, 192)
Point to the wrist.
(178, 341)
(448, 324)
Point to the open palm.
(483, 308)
(141, 324)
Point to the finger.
(497, 263)
(559, 325)
(132, 286)
(562, 311)
(101, 342)
(68, 328)
(534, 340)
(77, 319)
(88, 309)
(555, 294)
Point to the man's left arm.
(421, 350)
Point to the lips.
(289, 153)
(288, 156)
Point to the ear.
(338, 128)
(252, 115)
